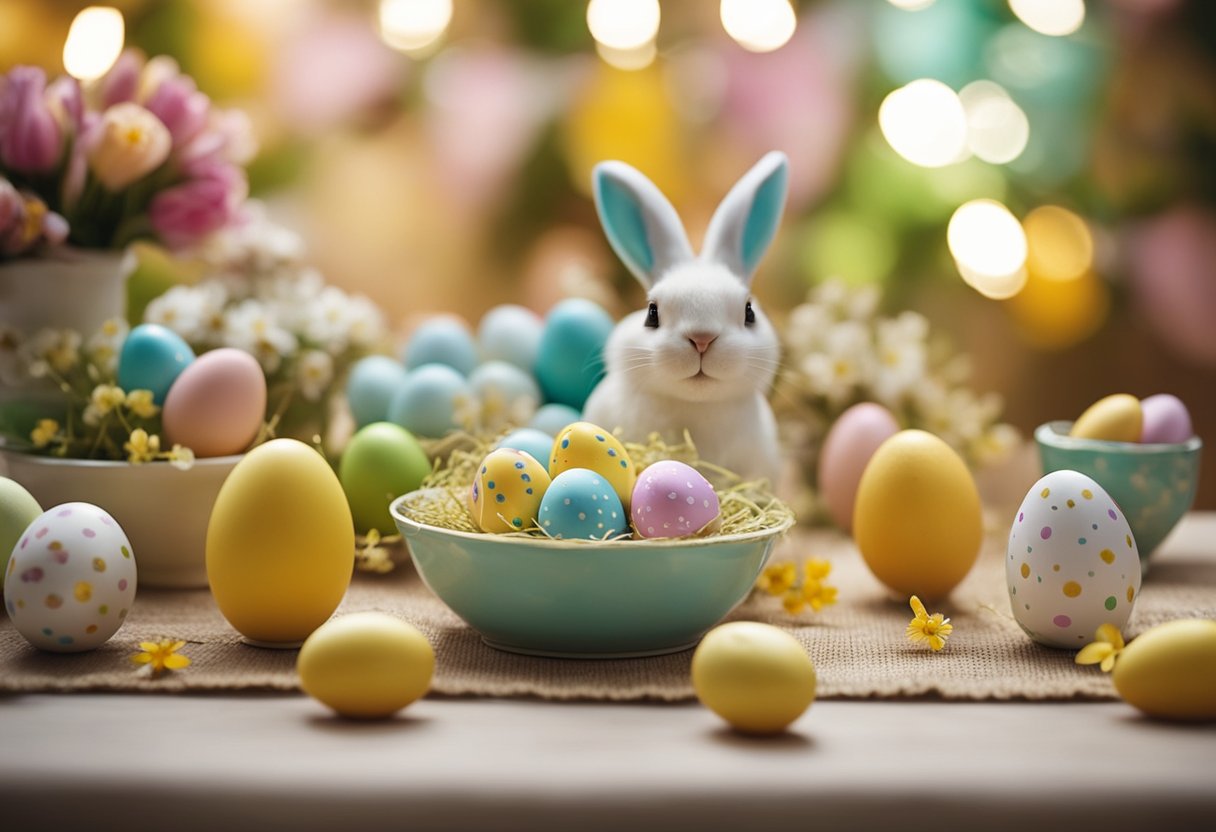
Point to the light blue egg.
(570, 361)
(580, 504)
(531, 441)
(152, 358)
(501, 387)
(552, 418)
(429, 401)
(510, 333)
(370, 388)
(441, 341)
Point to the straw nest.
(746, 506)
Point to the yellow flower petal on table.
(819, 595)
(1104, 650)
(777, 578)
(817, 569)
(932, 629)
(161, 655)
(793, 601)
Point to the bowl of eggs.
(1143, 452)
(583, 555)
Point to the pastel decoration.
(152, 358)
(507, 394)
(581, 505)
(1116, 418)
(507, 492)
(381, 462)
(370, 387)
(1166, 420)
(1169, 671)
(442, 340)
(71, 579)
(1071, 564)
(552, 417)
(569, 361)
(850, 442)
(217, 404)
(534, 442)
(510, 333)
(584, 445)
(672, 499)
(430, 401)
(18, 509)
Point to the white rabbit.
(702, 355)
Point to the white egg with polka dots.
(71, 579)
(1072, 563)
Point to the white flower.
(806, 328)
(844, 364)
(367, 326)
(328, 322)
(183, 309)
(995, 444)
(105, 345)
(862, 303)
(901, 357)
(249, 326)
(314, 372)
(52, 349)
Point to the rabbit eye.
(749, 314)
(652, 316)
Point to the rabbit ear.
(641, 225)
(747, 220)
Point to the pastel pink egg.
(1166, 419)
(671, 499)
(216, 406)
(851, 441)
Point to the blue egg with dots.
(534, 442)
(152, 358)
(581, 505)
(370, 388)
(442, 340)
(431, 402)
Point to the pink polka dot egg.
(1071, 564)
(71, 579)
(671, 499)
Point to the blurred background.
(1036, 177)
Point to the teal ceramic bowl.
(1153, 484)
(577, 599)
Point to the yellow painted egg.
(366, 665)
(1170, 670)
(917, 520)
(584, 445)
(755, 676)
(280, 544)
(1117, 418)
(506, 493)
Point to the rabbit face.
(697, 340)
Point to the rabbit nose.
(702, 340)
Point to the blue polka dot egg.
(507, 491)
(581, 504)
(588, 446)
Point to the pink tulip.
(121, 82)
(181, 107)
(66, 103)
(228, 138)
(31, 139)
(12, 213)
(185, 214)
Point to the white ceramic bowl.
(163, 510)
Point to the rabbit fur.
(707, 365)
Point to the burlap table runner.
(858, 645)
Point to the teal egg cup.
(585, 599)
(1154, 484)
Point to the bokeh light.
(989, 246)
(911, 5)
(1057, 314)
(628, 59)
(623, 25)
(997, 128)
(413, 26)
(94, 42)
(1050, 17)
(1060, 246)
(925, 123)
(759, 25)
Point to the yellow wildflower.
(793, 601)
(181, 458)
(44, 433)
(814, 591)
(777, 578)
(933, 629)
(141, 447)
(1105, 649)
(373, 557)
(140, 403)
(104, 399)
(161, 655)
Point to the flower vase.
(67, 288)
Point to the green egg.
(380, 463)
(17, 510)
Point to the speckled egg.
(71, 579)
(507, 492)
(581, 504)
(584, 445)
(672, 499)
(1072, 563)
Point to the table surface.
(268, 762)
